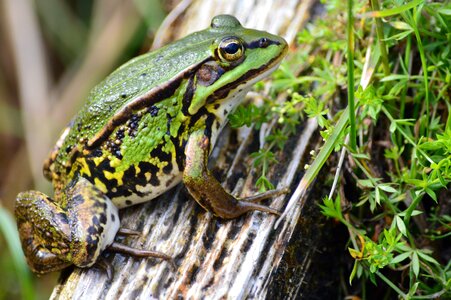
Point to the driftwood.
(214, 258)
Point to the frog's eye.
(230, 49)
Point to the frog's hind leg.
(43, 230)
(73, 231)
(208, 192)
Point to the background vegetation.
(376, 76)
(387, 61)
(53, 53)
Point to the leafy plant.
(398, 60)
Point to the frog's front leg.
(74, 230)
(207, 191)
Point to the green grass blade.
(381, 39)
(327, 149)
(393, 11)
(9, 230)
(351, 84)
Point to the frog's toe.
(106, 266)
(124, 249)
(127, 232)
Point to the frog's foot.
(141, 253)
(56, 235)
(208, 192)
(266, 195)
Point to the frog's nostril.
(263, 42)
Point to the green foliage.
(263, 158)
(66, 36)
(23, 277)
(251, 114)
(402, 160)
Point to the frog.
(148, 126)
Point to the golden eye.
(230, 49)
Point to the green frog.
(149, 125)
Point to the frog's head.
(238, 58)
(210, 69)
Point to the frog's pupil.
(231, 48)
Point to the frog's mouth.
(265, 73)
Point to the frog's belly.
(146, 192)
(139, 184)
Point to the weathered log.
(214, 258)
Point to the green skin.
(149, 125)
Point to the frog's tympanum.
(149, 125)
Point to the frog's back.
(127, 84)
(141, 93)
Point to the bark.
(215, 259)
